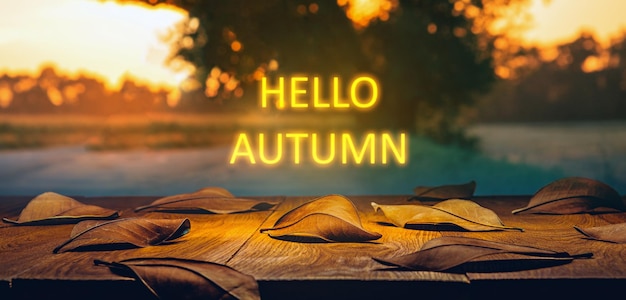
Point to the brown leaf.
(445, 253)
(614, 233)
(174, 278)
(573, 195)
(211, 199)
(139, 232)
(332, 218)
(51, 208)
(454, 212)
(445, 192)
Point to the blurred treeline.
(435, 60)
(576, 81)
(52, 92)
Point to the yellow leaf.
(465, 214)
(175, 278)
(139, 232)
(215, 200)
(613, 233)
(332, 218)
(52, 208)
(573, 195)
(448, 253)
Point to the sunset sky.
(115, 40)
(562, 20)
(102, 37)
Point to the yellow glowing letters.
(374, 148)
(298, 91)
(305, 93)
(242, 141)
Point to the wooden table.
(292, 270)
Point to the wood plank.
(212, 238)
(20, 245)
(287, 269)
(9, 207)
(555, 232)
(270, 260)
(23, 247)
(582, 278)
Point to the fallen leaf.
(444, 192)
(445, 253)
(465, 214)
(211, 199)
(138, 232)
(332, 218)
(573, 195)
(174, 278)
(614, 233)
(52, 208)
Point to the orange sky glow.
(117, 41)
(559, 21)
(98, 37)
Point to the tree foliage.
(583, 81)
(431, 56)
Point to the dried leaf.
(138, 232)
(445, 253)
(211, 199)
(332, 218)
(614, 233)
(445, 192)
(454, 212)
(574, 195)
(51, 208)
(174, 278)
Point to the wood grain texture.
(28, 269)
(23, 247)
(554, 232)
(212, 237)
(267, 258)
(30, 264)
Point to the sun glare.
(560, 21)
(116, 41)
(362, 12)
(111, 40)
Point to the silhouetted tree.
(429, 55)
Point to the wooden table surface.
(295, 270)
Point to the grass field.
(152, 131)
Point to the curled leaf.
(332, 218)
(465, 214)
(211, 199)
(614, 233)
(52, 208)
(445, 253)
(174, 278)
(573, 195)
(138, 232)
(445, 192)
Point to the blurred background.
(145, 97)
